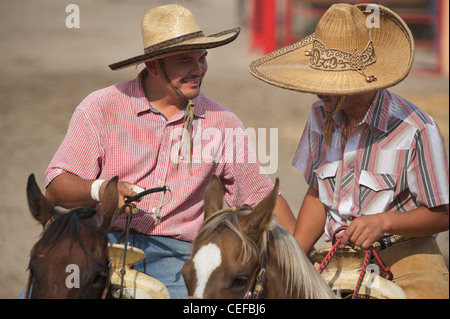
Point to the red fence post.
(263, 25)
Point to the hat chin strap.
(186, 142)
(329, 120)
(161, 64)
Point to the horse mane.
(299, 276)
(65, 224)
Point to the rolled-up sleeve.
(79, 153)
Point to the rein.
(126, 232)
(370, 253)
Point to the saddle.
(136, 284)
(343, 271)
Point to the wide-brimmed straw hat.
(354, 49)
(172, 29)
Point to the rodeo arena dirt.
(48, 68)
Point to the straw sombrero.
(172, 29)
(352, 51)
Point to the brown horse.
(244, 253)
(70, 260)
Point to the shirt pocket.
(326, 179)
(378, 190)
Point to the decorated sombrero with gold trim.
(354, 49)
(172, 29)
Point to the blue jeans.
(164, 260)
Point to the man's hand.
(124, 191)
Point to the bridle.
(256, 285)
(128, 204)
(30, 274)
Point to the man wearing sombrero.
(130, 130)
(375, 163)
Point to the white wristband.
(95, 189)
(136, 189)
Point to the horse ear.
(261, 216)
(213, 197)
(110, 200)
(40, 207)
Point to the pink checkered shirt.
(395, 162)
(114, 131)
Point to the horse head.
(70, 260)
(223, 260)
(244, 253)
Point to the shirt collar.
(138, 99)
(377, 116)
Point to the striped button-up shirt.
(115, 131)
(394, 161)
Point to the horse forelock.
(229, 220)
(65, 225)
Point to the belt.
(389, 241)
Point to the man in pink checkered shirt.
(156, 130)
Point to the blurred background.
(48, 68)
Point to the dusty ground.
(47, 69)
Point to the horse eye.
(240, 281)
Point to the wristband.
(95, 189)
(136, 189)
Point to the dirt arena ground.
(47, 69)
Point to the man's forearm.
(69, 191)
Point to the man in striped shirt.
(133, 130)
(375, 163)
